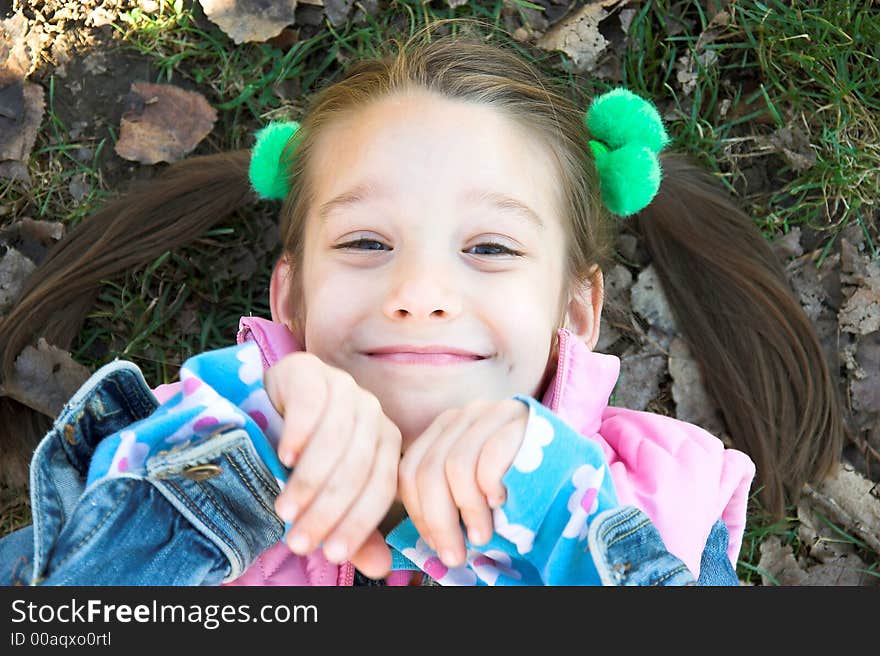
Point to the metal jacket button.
(201, 472)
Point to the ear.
(584, 310)
(281, 299)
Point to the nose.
(422, 287)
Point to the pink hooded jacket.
(680, 475)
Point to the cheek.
(333, 301)
(525, 318)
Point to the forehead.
(424, 146)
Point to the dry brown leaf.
(852, 501)
(32, 238)
(649, 300)
(18, 134)
(163, 123)
(692, 403)
(864, 387)
(689, 69)
(860, 313)
(844, 570)
(19, 48)
(14, 269)
(788, 246)
(817, 536)
(250, 20)
(44, 378)
(578, 35)
(337, 11)
(639, 382)
(779, 562)
(794, 145)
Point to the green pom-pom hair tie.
(270, 162)
(629, 136)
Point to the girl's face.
(435, 226)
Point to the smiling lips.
(426, 355)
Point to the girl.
(445, 226)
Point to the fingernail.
(449, 558)
(496, 502)
(286, 458)
(299, 544)
(287, 509)
(477, 536)
(335, 551)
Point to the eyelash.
(508, 251)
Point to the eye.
(498, 249)
(371, 245)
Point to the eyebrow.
(369, 191)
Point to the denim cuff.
(628, 550)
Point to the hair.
(757, 351)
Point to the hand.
(345, 454)
(455, 467)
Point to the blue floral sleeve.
(220, 389)
(558, 482)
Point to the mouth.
(424, 355)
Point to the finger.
(298, 388)
(373, 559)
(496, 458)
(324, 449)
(371, 504)
(409, 467)
(461, 471)
(441, 516)
(347, 480)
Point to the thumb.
(373, 558)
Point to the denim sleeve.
(559, 480)
(127, 492)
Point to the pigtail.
(759, 355)
(158, 215)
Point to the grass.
(813, 76)
(772, 66)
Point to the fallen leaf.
(44, 378)
(863, 381)
(250, 20)
(163, 123)
(20, 45)
(337, 11)
(578, 35)
(860, 275)
(843, 570)
(18, 134)
(852, 501)
(779, 562)
(640, 375)
(788, 246)
(692, 402)
(32, 238)
(794, 145)
(649, 300)
(14, 270)
(823, 543)
(240, 265)
(689, 69)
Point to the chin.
(413, 414)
